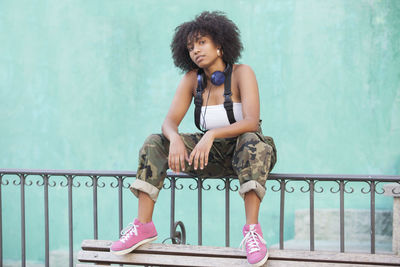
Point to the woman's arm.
(179, 106)
(250, 100)
(249, 96)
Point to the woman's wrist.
(174, 136)
(211, 133)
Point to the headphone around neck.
(217, 78)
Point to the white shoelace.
(127, 232)
(251, 240)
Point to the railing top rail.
(335, 177)
(272, 176)
(68, 172)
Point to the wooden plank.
(158, 259)
(97, 245)
(275, 254)
(104, 245)
(279, 263)
(272, 263)
(327, 256)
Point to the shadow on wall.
(58, 258)
(357, 230)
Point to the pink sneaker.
(256, 249)
(134, 235)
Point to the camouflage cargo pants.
(250, 156)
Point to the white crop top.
(215, 116)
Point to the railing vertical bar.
(70, 220)
(372, 217)
(341, 188)
(312, 248)
(227, 204)
(1, 223)
(172, 219)
(282, 214)
(95, 217)
(46, 220)
(23, 240)
(200, 211)
(120, 204)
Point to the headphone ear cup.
(200, 81)
(218, 78)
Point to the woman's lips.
(199, 58)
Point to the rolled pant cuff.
(252, 185)
(139, 185)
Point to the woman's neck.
(219, 65)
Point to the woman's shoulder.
(241, 67)
(242, 70)
(189, 77)
(189, 81)
(191, 73)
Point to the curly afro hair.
(215, 24)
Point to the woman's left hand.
(201, 151)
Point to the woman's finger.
(186, 156)
(177, 169)
(172, 162)
(201, 160)
(191, 156)
(206, 158)
(196, 159)
(182, 162)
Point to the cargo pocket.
(269, 141)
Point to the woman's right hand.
(177, 154)
(180, 104)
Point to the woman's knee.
(152, 167)
(154, 143)
(154, 139)
(252, 159)
(251, 149)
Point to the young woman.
(231, 143)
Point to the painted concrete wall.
(82, 83)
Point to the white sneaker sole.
(261, 262)
(126, 251)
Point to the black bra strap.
(228, 104)
(198, 99)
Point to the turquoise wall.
(82, 83)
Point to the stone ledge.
(330, 245)
(392, 190)
(357, 225)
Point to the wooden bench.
(97, 252)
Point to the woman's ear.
(219, 52)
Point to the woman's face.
(203, 50)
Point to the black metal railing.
(20, 177)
